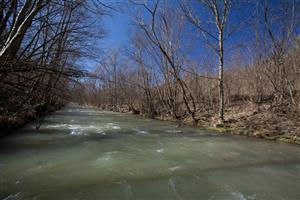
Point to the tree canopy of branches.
(41, 40)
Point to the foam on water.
(140, 132)
(143, 132)
(105, 158)
(77, 132)
(77, 129)
(116, 127)
(100, 131)
(57, 126)
(160, 150)
(239, 196)
(74, 126)
(174, 168)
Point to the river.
(84, 153)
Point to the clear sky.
(116, 25)
(119, 24)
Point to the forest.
(231, 66)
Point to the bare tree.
(22, 20)
(41, 42)
(277, 42)
(162, 39)
(220, 11)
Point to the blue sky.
(119, 24)
(116, 25)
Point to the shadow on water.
(49, 138)
(46, 139)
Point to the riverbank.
(14, 120)
(280, 123)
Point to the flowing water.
(83, 153)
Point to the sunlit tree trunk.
(221, 77)
(21, 24)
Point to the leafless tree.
(219, 10)
(40, 43)
(159, 32)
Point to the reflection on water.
(83, 153)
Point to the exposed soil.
(262, 121)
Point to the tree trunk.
(22, 23)
(221, 77)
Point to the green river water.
(84, 153)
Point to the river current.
(84, 153)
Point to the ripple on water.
(160, 150)
(175, 168)
(17, 195)
(106, 160)
(140, 132)
(173, 131)
(239, 196)
(57, 126)
(116, 127)
(100, 131)
(172, 184)
(74, 126)
(113, 126)
(77, 132)
(143, 132)
(76, 129)
(126, 186)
